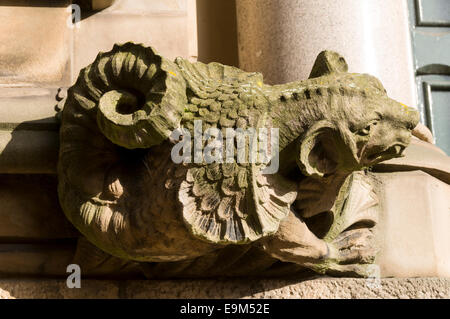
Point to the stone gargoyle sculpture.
(121, 188)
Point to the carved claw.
(350, 254)
(354, 246)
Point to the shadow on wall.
(217, 31)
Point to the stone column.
(282, 38)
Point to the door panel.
(430, 34)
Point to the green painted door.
(430, 34)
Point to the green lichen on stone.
(115, 167)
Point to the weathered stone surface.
(414, 225)
(326, 288)
(34, 106)
(169, 25)
(56, 289)
(415, 210)
(32, 147)
(116, 143)
(42, 57)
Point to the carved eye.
(366, 131)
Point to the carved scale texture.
(229, 202)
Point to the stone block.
(167, 25)
(57, 289)
(35, 44)
(324, 288)
(414, 224)
(35, 106)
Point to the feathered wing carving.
(230, 202)
(222, 96)
(210, 80)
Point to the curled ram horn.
(129, 98)
(135, 94)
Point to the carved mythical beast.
(119, 186)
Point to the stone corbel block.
(414, 225)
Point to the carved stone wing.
(232, 203)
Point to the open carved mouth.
(392, 151)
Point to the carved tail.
(128, 98)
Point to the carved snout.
(395, 150)
(388, 142)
